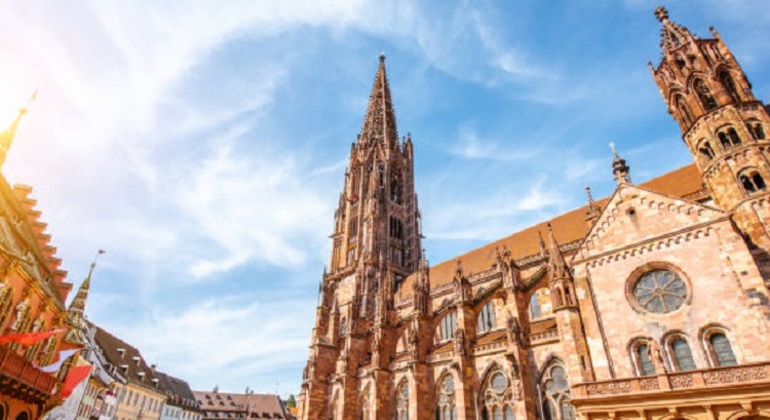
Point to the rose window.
(660, 291)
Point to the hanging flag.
(62, 357)
(27, 339)
(74, 377)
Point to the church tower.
(724, 126)
(375, 246)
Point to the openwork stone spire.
(380, 121)
(672, 35)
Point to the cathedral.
(651, 303)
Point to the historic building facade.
(651, 303)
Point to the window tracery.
(729, 85)
(556, 394)
(706, 99)
(447, 326)
(486, 320)
(445, 402)
(659, 291)
(683, 111)
(496, 397)
(402, 401)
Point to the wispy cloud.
(471, 146)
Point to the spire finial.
(6, 137)
(588, 193)
(620, 170)
(382, 57)
(661, 13)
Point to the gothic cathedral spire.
(722, 123)
(376, 223)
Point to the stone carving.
(682, 381)
(649, 384)
(736, 374)
(513, 330)
(610, 388)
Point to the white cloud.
(471, 146)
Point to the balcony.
(20, 379)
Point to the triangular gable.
(634, 215)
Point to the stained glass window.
(660, 291)
(645, 363)
(682, 354)
(722, 350)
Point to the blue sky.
(203, 144)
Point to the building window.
(6, 303)
(752, 181)
(402, 401)
(705, 97)
(447, 326)
(721, 350)
(681, 355)
(684, 113)
(660, 291)
(705, 150)
(728, 138)
(496, 398)
(756, 130)
(487, 318)
(556, 394)
(445, 408)
(643, 359)
(366, 405)
(534, 307)
(343, 326)
(729, 85)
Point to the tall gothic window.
(487, 318)
(729, 85)
(721, 350)
(333, 410)
(683, 111)
(445, 403)
(366, 405)
(556, 394)
(534, 306)
(447, 326)
(706, 99)
(496, 397)
(402, 401)
(681, 354)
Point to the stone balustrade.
(665, 382)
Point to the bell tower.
(723, 125)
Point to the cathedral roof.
(567, 228)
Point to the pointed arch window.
(752, 181)
(684, 112)
(496, 397)
(556, 394)
(729, 85)
(486, 320)
(704, 95)
(728, 137)
(447, 326)
(681, 354)
(402, 401)
(445, 401)
(534, 307)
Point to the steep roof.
(126, 359)
(178, 391)
(567, 228)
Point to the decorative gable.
(635, 216)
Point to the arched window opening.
(722, 350)
(728, 138)
(706, 99)
(682, 356)
(402, 401)
(644, 364)
(445, 403)
(447, 327)
(496, 397)
(683, 111)
(752, 181)
(706, 151)
(756, 130)
(487, 318)
(556, 394)
(729, 85)
(366, 405)
(534, 306)
(395, 189)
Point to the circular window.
(660, 291)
